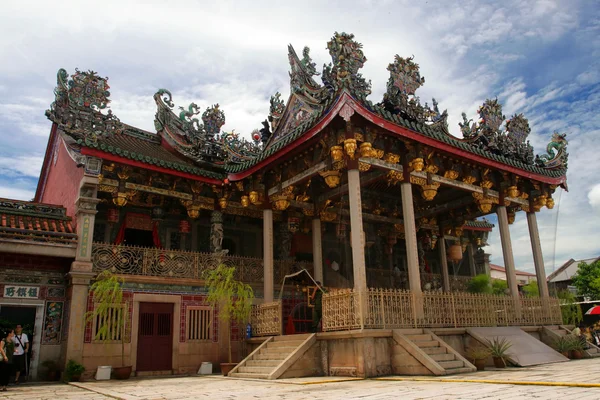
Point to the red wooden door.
(155, 337)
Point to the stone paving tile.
(218, 387)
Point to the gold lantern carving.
(223, 203)
(469, 179)
(255, 198)
(392, 158)
(416, 164)
(550, 203)
(484, 203)
(327, 216)
(193, 209)
(513, 191)
(451, 174)
(366, 149)
(337, 154)
(245, 200)
(455, 252)
(120, 199)
(511, 216)
(332, 178)
(280, 202)
(429, 191)
(350, 147)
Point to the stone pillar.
(357, 239)
(216, 232)
(81, 271)
(509, 261)
(538, 258)
(444, 265)
(268, 254)
(410, 237)
(317, 247)
(471, 259)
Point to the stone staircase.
(432, 352)
(561, 330)
(273, 356)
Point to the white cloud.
(9, 192)
(594, 197)
(21, 166)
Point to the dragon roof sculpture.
(81, 102)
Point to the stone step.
(592, 350)
(420, 337)
(284, 338)
(414, 331)
(248, 375)
(442, 356)
(434, 350)
(561, 332)
(278, 350)
(271, 356)
(426, 343)
(449, 364)
(263, 363)
(256, 370)
(454, 371)
(284, 343)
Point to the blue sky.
(541, 58)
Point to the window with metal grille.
(198, 323)
(106, 326)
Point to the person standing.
(7, 348)
(317, 312)
(21, 343)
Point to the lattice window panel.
(199, 323)
(111, 317)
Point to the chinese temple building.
(377, 200)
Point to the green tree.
(499, 286)
(232, 297)
(571, 312)
(531, 289)
(479, 284)
(587, 279)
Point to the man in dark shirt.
(317, 300)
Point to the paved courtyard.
(573, 380)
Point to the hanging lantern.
(281, 202)
(336, 153)
(245, 200)
(158, 214)
(112, 215)
(120, 199)
(184, 226)
(193, 211)
(223, 203)
(455, 252)
(332, 178)
(293, 224)
(341, 229)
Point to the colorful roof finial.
(348, 58)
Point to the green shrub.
(499, 287)
(479, 284)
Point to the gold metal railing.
(266, 319)
(145, 261)
(390, 308)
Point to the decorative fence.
(266, 319)
(385, 278)
(389, 308)
(145, 261)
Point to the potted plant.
(498, 348)
(233, 300)
(577, 348)
(477, 355)
(73, 371)
(563, 345)
(51, 370)
(108, 292)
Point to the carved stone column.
(538, 258)
(81, 271)
(444, 265)
(471, 259)
(357, 239)
(410, 233)
(216, 232)
(317, 247)
(268, 254)
(509, 261)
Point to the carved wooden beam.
(343, 189)
(344, 212)
(299, 177)
(444, 181)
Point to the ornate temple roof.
(192, 142)
(22, 220)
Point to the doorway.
(138, 237)
(29, 314)
(155, 337)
